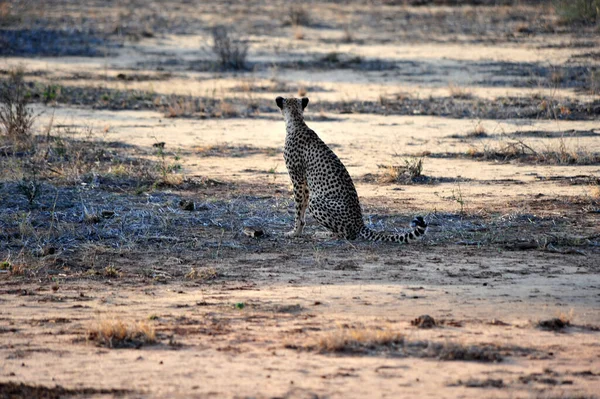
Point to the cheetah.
(323, 185)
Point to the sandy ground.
(259, 326)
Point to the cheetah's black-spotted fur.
(322, 183)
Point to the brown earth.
(500, 101)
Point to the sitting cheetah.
(323, 185)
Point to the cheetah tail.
(419, 228)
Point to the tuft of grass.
(30, 188)
(357, 340)
(111, 272)
(226, 110)
(115, 333)
(555, 324)
(348, 37)
(16, 117)
(231, 51)
(332, 57)
(177, 106)
(478, 132)
(302, 91)
(298, 15)
(458, 92)
(375, 340)
(298, 32)
(556, 154)
(203, 274)
(578, 11)
(167, 169)
(409, 172)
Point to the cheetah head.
(291, 107)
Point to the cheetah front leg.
(301, 199)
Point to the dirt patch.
(142, 221)
(19, 390)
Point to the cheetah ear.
(304, 102)
(279, 102)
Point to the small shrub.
(578, 11)
(16, 117)
(458, 92)
(357, 340)
(298, 16)
(111, 271)
(409, 172)
(226, 110)
(332, 57)
(229, 49)
(50, 93)
(29, 188)
(117, 334)
(206, 273)
(555, 324)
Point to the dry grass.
(202, 274)
(16, 117)
(373, 340)
(298, 16)
(226, 109)
(458, 92)
(557, 152)
(231, 51)
(115, 333)
(181, 106)
(357, 340)
(111, 272)
(407, 173)
(298, 32)
(302, 91)
(558, 323)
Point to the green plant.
(16, 117)
(164, 166)
(50, 93)
(29, 188)
(457, 196)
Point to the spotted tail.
(419, 228)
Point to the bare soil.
(153, 195)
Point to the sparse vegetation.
(111, 272)
(578, 11)
(16, 116)
(186, 236)
(115, 333)
(231, 51)
(560, 153)
(202, 274)
(381, 340)
(29, 188)
(298, 15)
(458, 92)
(408, 173)
(357, 340)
